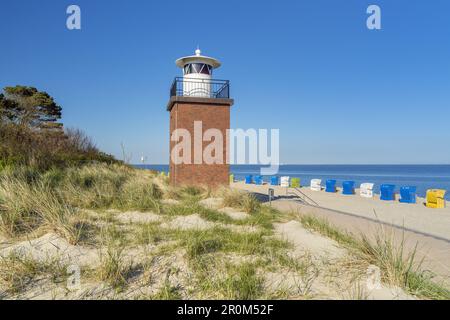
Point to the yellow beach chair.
(435, 198)
(295, 183)
(231, 178)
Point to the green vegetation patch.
(398, 267)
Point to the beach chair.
(231, 178)
(316, 184)
(274, 181)
(330, 186)
(348, 187)
(285, 182)
(387, 192)
(295, 183)
(436, 198)
(258, 180)
(408, 194)
(249, 179)
(366, 190)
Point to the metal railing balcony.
(201, 88)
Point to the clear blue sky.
(338, 92)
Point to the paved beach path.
(416, 224)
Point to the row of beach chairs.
(435, 198)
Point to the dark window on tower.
(206, 69)
(197, 68)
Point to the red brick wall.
(217, 116)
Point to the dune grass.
(198, 242)
(149, 233)
(240, 200)
(167, 292)
(53, 200)
(111, 186)
(242, 282)
(25, 207)
(218, 277)
(30, 200)
(399, 266)
(114, 268)
(187, 192)
(192, 206)
(18, 271)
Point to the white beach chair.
(366, 190)
(284, 182)
(316, 184)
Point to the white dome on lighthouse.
(197, 74)
(198, 58)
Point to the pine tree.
(26, 106)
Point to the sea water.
(421, 176)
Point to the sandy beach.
(415, 217)
(417, 224)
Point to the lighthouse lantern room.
(197, 74)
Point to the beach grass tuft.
(113, 268)
(25, 207)
(399, 266)
(240, 200)
(18, 271)
(30, 199)
(242, 282)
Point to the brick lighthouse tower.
(197, 104)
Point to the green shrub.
(43, 149)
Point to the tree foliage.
(31, 134)
(26, 106)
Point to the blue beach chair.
(387, 192)
(249, 179)
(258, 180)
(330, 186)
(274, 181)
(348, 187)
(408, 194)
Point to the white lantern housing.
(197, 74)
